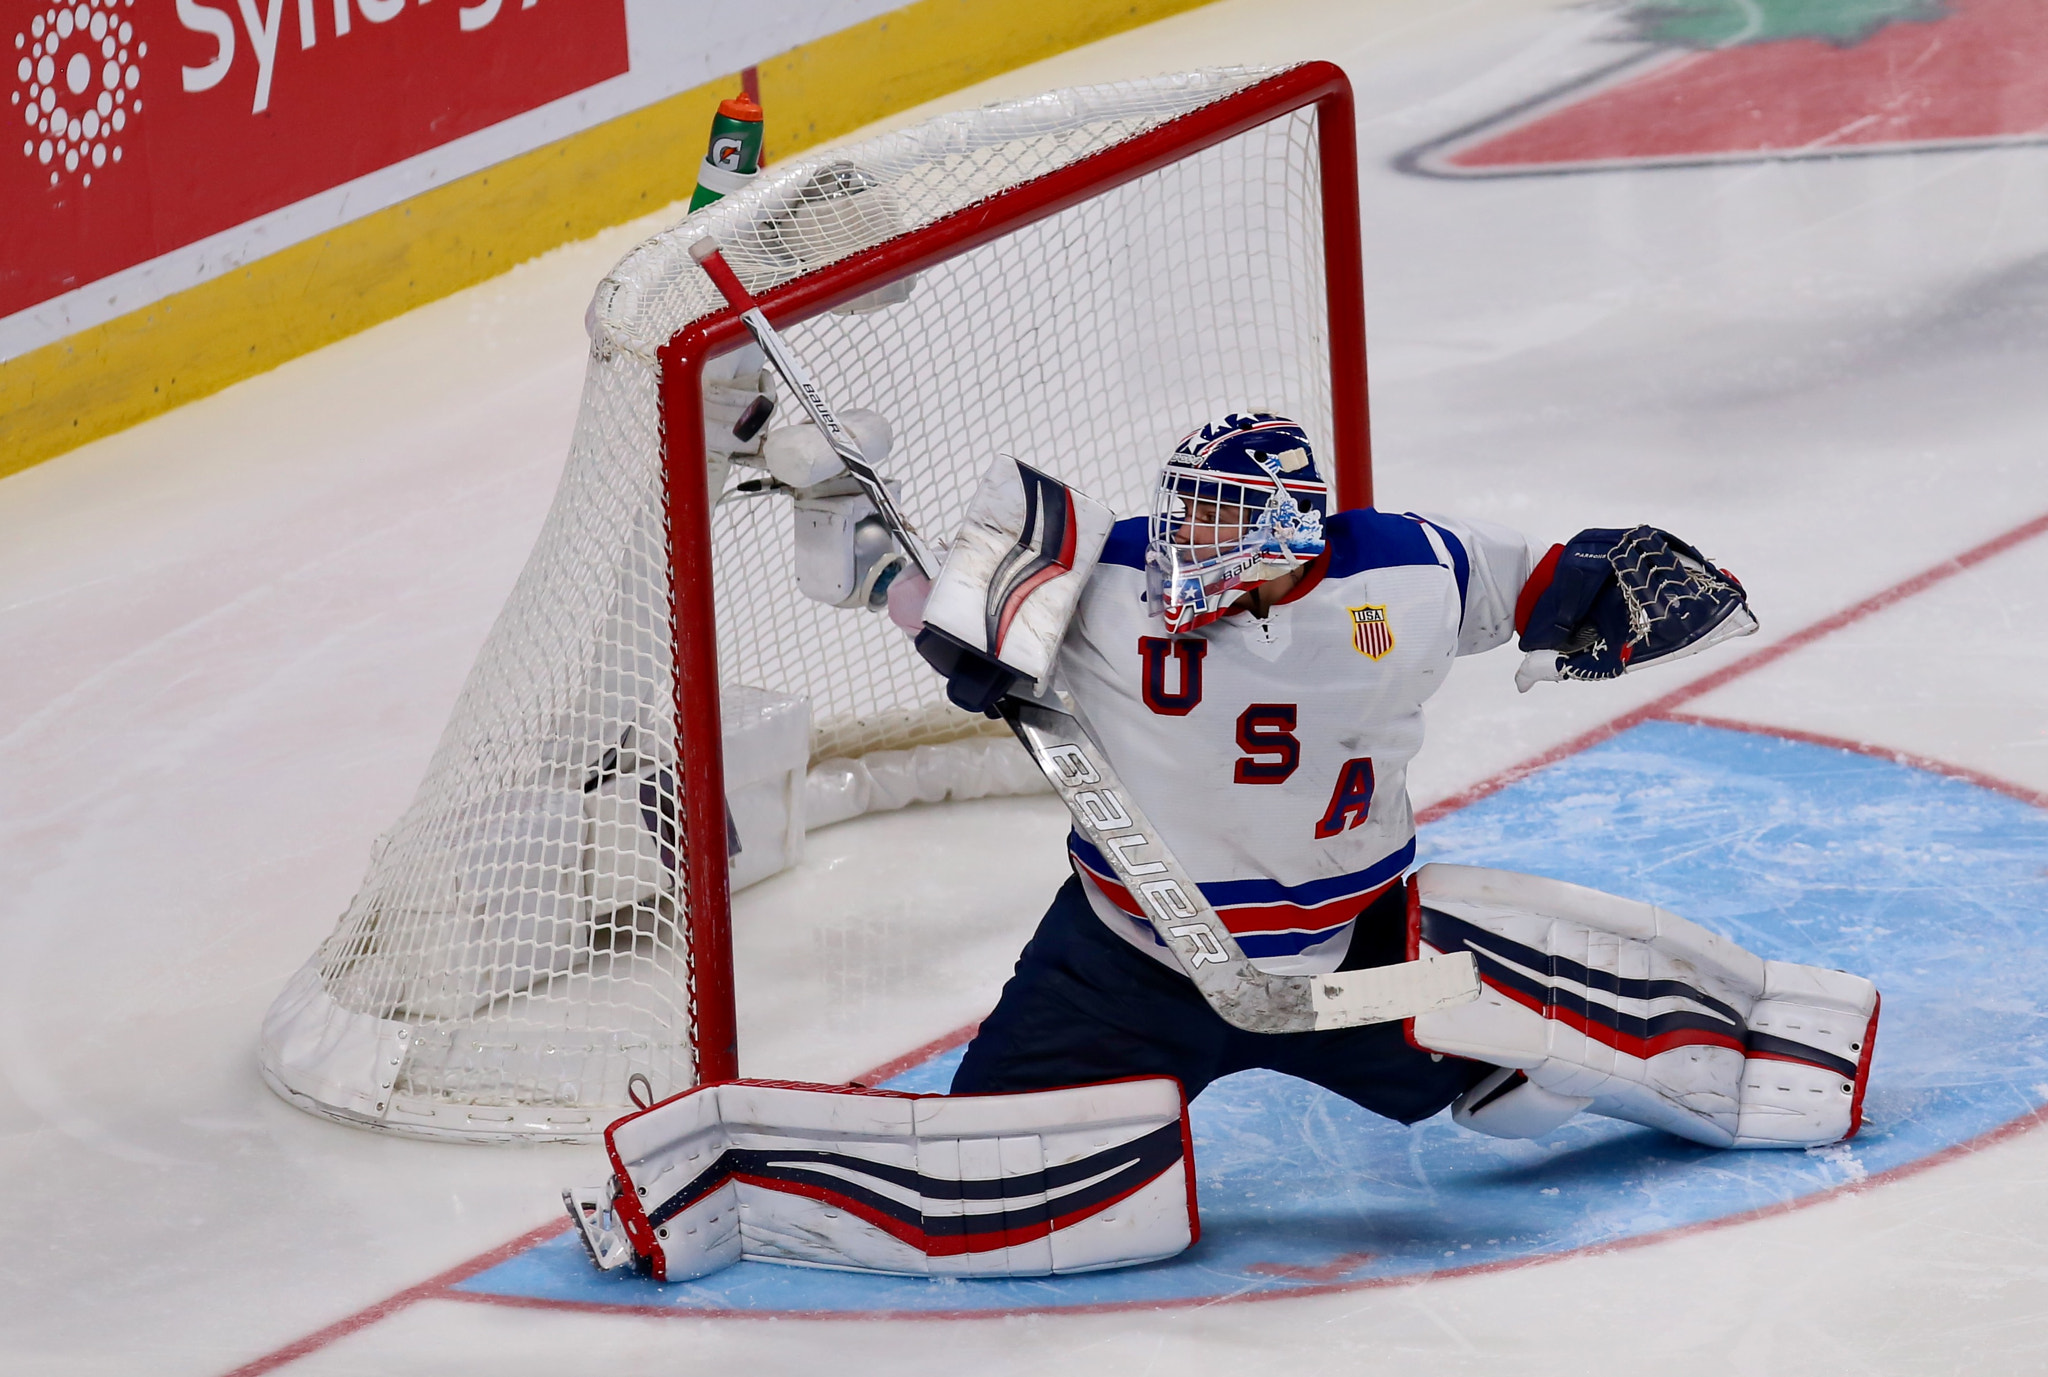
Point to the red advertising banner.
(140, 128)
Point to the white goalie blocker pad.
(1619, 1007)
(1071, 1180)
(1014, 572)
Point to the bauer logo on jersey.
(1370, 634)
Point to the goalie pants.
(1084, 1005)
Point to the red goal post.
(692, 621)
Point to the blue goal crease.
(1931, 886)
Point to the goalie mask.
(1240, 501)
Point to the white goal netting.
(521, 943)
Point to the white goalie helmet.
(1239, 501)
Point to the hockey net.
(1076, 279)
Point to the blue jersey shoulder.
(1127, 541)
(1364, 538)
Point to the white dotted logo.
(77, 69)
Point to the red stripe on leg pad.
(1863, 1068)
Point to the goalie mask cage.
(1077, 279)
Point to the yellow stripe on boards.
(200, 340)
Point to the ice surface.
(1930, 886)
(232, 635)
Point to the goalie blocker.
(1591, 1001)
(1076, 1179)
(1013, 576)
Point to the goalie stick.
(1104, 812)
(784, 361)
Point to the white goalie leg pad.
(1638, 1014)
(1810, 1040)
(1070, 1180)
(1014, 574)
(1507, 1104)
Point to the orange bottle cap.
(740, 107)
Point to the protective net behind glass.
(519, 947)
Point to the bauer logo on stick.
(1370, 634)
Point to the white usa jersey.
(1273, 754)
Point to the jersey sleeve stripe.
(1461, 562)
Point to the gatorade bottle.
(734, 157)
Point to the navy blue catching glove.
(1610, 601)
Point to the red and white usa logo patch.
(1370, 634)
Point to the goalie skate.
(590, 1208)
